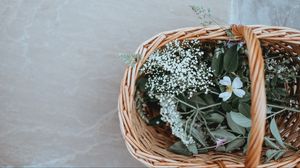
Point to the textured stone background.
(267, 12)
(60, 75)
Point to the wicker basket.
(148, 144)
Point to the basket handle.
(258, 94)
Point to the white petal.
(225, 95)
(239, 92)
(237, 83)
(225, 81)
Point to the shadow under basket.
(149, 144)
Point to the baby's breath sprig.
(172, 116)
(176, 69)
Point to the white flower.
(234, 87)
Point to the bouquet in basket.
(199, 91)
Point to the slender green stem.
(211, 147)
(213, 92)
(274, 57)
(202, 108)
(278, 100)
(287, 144)
(208, 111)
(234, 74)
(188, 112)
(205, 148)
(280, 111)
(283, 107)
(210, 106)
(291, 147)
(282, 101)
(187, 121)
(193, 121)
(205, 123)
(185, 103)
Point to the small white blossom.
(234, 87)
(220, 142)
(173, 117)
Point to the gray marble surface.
(60, 74)
(266, 12)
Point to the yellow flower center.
(229, 88)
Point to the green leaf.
(221, 133)
(271, 144)
(180, 148)
(183, 106)
(279, 154)
(199, 136)
(233, 126)
(270, 154)
(198, 100)
(274, 154)
(226, 106)
(246, 98)
(192, 148)
(231, 59)
(275, 132)
(217, 62)
(208, 99)
(214, 117)
(240, 119)
(244, 109)
(235, 102)
(235, 144)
